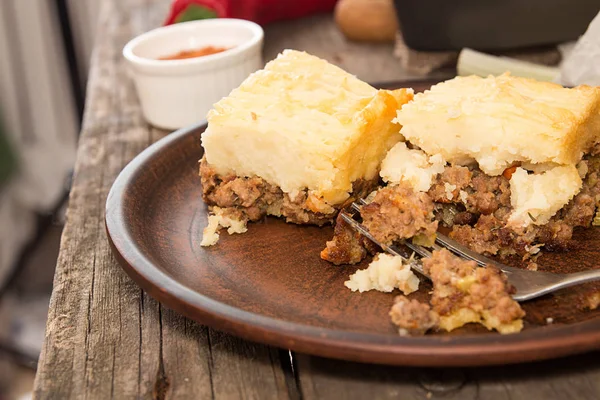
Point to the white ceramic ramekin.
(178, 93)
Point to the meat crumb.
(450, 183)
(532, 266)
(464, 293)
(549, 320)
(593, 300)
(413, 317)
(398, 212)
(346, 245)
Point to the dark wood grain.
(105, 338)
(567, 378)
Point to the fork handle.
(577, 278)
(532, 290)
(568, 280)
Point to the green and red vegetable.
(260, 11)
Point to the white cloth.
(582, 63)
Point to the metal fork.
(528, 284)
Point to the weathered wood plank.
(576, 377)
(105, 338)
(240, 358)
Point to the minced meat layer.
(253, 198)
(475, 207)
(478, 218)
(398, 212)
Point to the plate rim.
(439, 351)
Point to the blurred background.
(45, 49)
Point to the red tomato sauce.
(204, 51)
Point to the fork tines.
(408, 257)
(441, 241)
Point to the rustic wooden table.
(106, 338)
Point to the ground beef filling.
(475, 207)
(395, 213)
(476, 192)
(478, 217)
(398, 212)
(253, 198)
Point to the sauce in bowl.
(204, 51)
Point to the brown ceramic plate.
(269, 285)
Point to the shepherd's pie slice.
(500, 121)
(297, 139)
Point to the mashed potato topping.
(385, 273)
(412, 166)
(499, 121)
(303, 123)
(535, 198)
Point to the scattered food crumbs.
(385, 273)
(464, 293)
(532, 250)
(412, 317)
(593, 300)
(549, 320)
(449, 189)
(222, 218)
(253, 115)
(532, 266)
